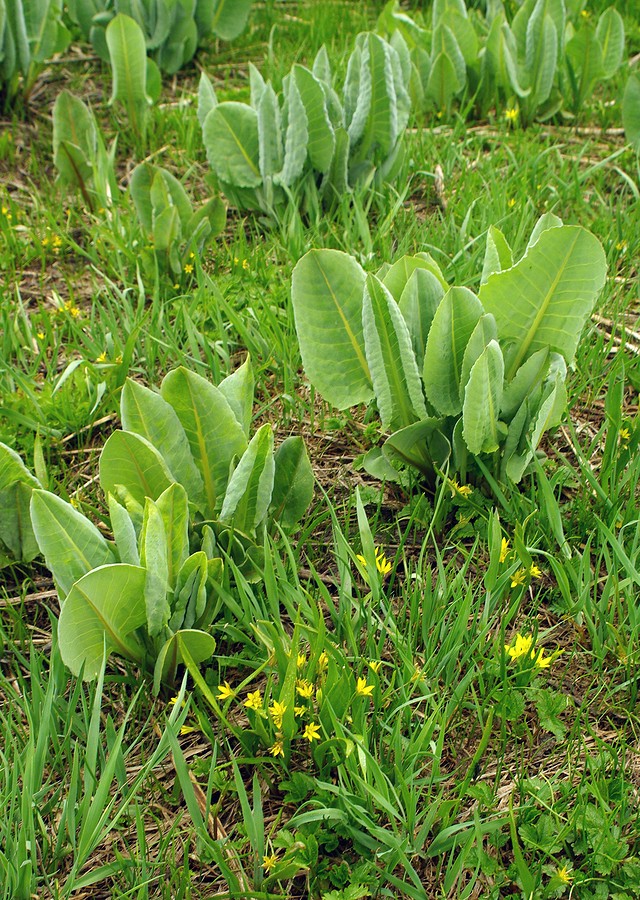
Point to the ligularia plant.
(310, 138)
(186, 487)
(463, 381)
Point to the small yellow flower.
(624, 435)
(188, 268)
(235, 260)
(563, 874)
(102, 358)
(56, 240)
(312, 732)
(299, 710)
(75, 312)
(520, 647)
(505, 550)
(277, 711)
(374, 665)
(174, 700)
(269, 862)
(511, 202)
(518, 578)
(176, 287)
(585, 13)
(323, 661)
(621, 246)
(254, 700)
(192, 255)
(277, 748)
(511, 114)
(188, 729)
(383, 565)
(301, 660)
(118, 358)
(245, 264)
(5, 210)
(40, 335)
(304, 688)
(363, 689)
(225, 691)
(535, 571)
(45, 241)
(542, 661)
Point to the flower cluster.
(523, 648)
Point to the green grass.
(452, 770)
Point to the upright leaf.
(482, 399)
(327, 289)
(420, 299)
(128, 55)
(321, 137)
(251, 486)
(238, 389)
(296, 139)
(133, 462)
(610, 35)
(154, 557)
(293, 482)
(230, 134)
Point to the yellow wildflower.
(518, 578)
(511, 114)
(363, 689)
(269, 862)
(374, 665)
(188, 268)
(225, 691)
(102, 358)
(505, 550)
(174, 700)
(75, 312)
(563, 874)
(383, 565)
(277, 711)
(542, 661)
(277, 748)
(299, 710)
(624, 435)
(585, 13)
(511, 202)
(254, 700)
(192, 255)
(520, 647)
(245, 264)
(535, 571)
(40, 335)
(621, 246)
(312, 732)
(304, 688)
(301, 660)
(188, 729)
(323, 661)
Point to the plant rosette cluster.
(186, 487)
(311, 140)
(548, 58)
(465, 383)
(30, 34)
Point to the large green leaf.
(541, 54)
(452, 326)
(130, 460)
(421, 445)
(229, 17)
(296, 140)
(484, 332)
(238, 389)
(174, 509)
(545, 299)
(16, 532)
(214, 434)
(394, 372)
(190, 594)
(69, 542)
(631, 110)
(396, 276)
(74, 140)
(270, 147)
(381, 127)
(124, 532)
(199, 645)
(128, 55)
(482, 399)
(498, 255)
(610, 35)
(293, 482)
(250, 488)
(419, 302)
(102, 611)
(321, 137)
(327, 289)
(585, 64)
(148, 414)
(154, 558)
(230, 134)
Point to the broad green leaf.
(545, 299)
(547, 220)
(585, 65)
(148, 414)
(199, 645)
(327, 289)
(421, 445)
(206, 98)
(230, 134)
(257, 85)
(128, 56)
(482, 399)
(541, 55)
(74, 140)
(140, 190)
(631, 110)
(154, 558)
(270, 149)
(124, 533)
(229, 17)
(292, 484)
(530, 374)
(381, 125)
(442, 85)
(250, 488)
(103, 609)
(610, 34)
(484, 332)
(174, 509)
(452, 326)
(336, 181)
(130, 460)
(321, 137)
(497, 255)
(357, 95)
(420, 299)
(69, 542)
(322, 67)
(16, 484)
(214, 434)
(395, 278)
(394, 372)
(296, 140)
(238, 389)
(166, 191)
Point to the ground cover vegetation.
(319, 541)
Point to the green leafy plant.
(177, 232)
(631, 110)
(172, 31)
(310, 142)
(30, 34)
(545, 59)
(136, 79)
(185, 487)
(80, 154)
(463, 381)
(17, 541)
